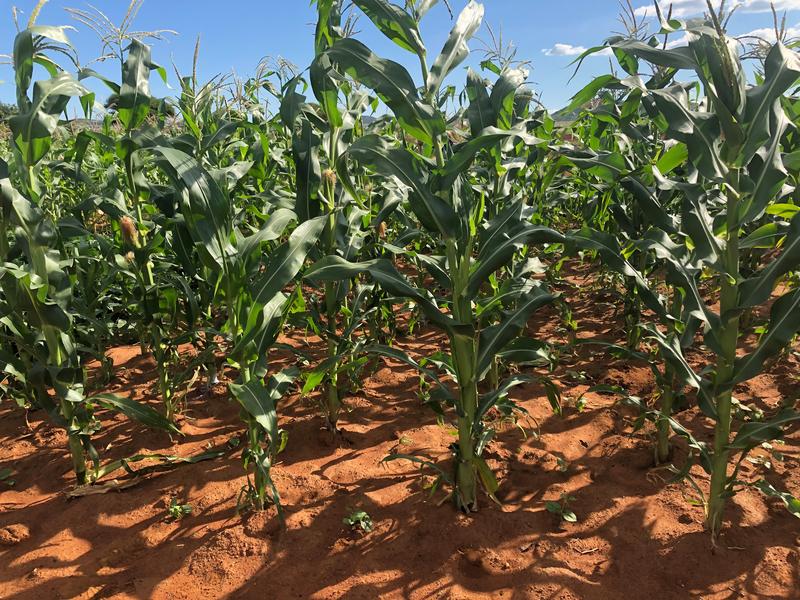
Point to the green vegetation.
(374, 202)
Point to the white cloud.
(768, 34)
(564, 50)
(570, 50)
(689, 8)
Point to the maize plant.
(250, 287)
(37, 287)
(477, 233)
(321, 135)
(732, 134)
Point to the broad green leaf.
(608, 166)
(384, 273)
(394, 86)
(781, 72)
(589, 92)
(403, 357)
(792, 504)
(680, 57)
(395, 23)
(479, 111)
(784, 323)
(134, 96)
(434, 213)
(275, 228)
(766, 236)
(455, 49)
(136, 411)
(495, 338)
(672, 158)
(285, 263)
(305, 147)
(462, 159)
(649, 204)
(700, 131)
(752, 434)
(33, 127)
(500, 254)
(325, 88)
(757, 290)
(205, 209)
(503, 96)
(526, 351)
(260, 400)
(765, 176)
(672, 353)
(608, 248)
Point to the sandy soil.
(636, 537)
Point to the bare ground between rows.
(637, 536)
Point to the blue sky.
(237, 33)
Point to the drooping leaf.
(757, 290)
(395, 23)
(784, 323)
(141, 413)
(394, 86)
(375, 152)
(455, 49)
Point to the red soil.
(637, 536)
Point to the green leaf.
(784, 323)
(403, 357)
(260, 400)
(394, 86)
(305, 148)
(5, 477)
(752, 434)
(781, 71)
(792, 504)
(589, 92)
(455, 49)
(434, 213)
(765, 175)
(460, 162)
(608, 247)
(495, 338)
(33, 126)
(672, 353)
(136, 411)
(501, 252)
(335, 268)
(672, 158)
(607, 166)
(680, 57)
(526, 351)
(553, 507)
(503, 96)
(325, 88)
(766, 236)
(134, 96)
(649, 204)
(487, 401)
(284, 264)
(395, 23)
(757, 290)
(479, 111)
(700, 131)
(488, 478)
(274, 229)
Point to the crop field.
(355, 330)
